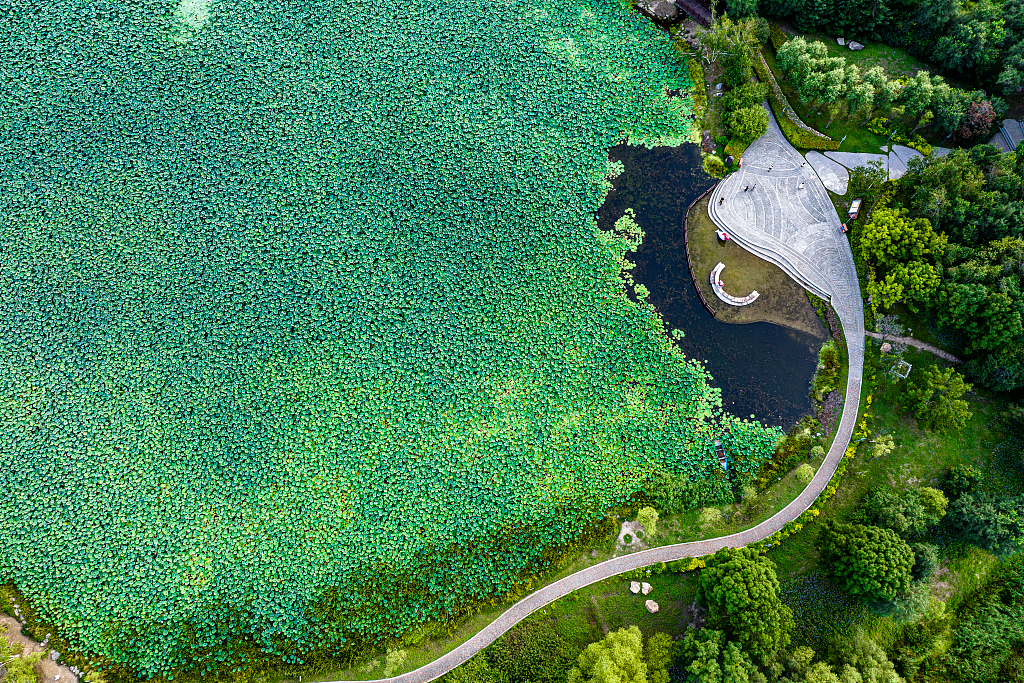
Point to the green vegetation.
(19, 666)
(869, 561)
(741, 591)
(306, 312)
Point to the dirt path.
(49, 671)
(910, 341)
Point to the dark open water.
(762, 369)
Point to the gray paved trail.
(924, 346)
(798, 230)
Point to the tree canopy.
(868, 560)
(741, 591)
(618, 658)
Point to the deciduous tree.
(934, 399)
(868, 560)
(741, 590)
(618, 658)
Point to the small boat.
(722, 235)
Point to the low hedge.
(797, 136)
(699, 95)
(777, 36)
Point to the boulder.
(854, 45)
(634, 587)
(54, 655)
(658, 10)
(719, 86)
(646, 588)
(651, 606)
(841, 41)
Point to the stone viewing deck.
(716, 286)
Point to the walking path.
(924, 346)
(797, 230)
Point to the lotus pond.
(308, 333)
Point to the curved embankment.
(799, 231)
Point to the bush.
(648, 519)
(804, 474)
(714, 166)
(709, 516)
(926, 560)
(748, 123)
(762, 29)
(777, 36)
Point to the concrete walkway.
(798, 230)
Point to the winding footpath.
(798, 230)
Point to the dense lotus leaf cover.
(307, 329)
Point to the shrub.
(393, 662)
(709, 516)
(804, 474)
(818, 452)
(648, 518)
(714, 166)
(926, 560)
(749, 123)
(777, 36)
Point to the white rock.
(854, 45)
(54, 655)
(719, 86)
(634, 587)
(646, 588)
(841, 41)
(651, 606)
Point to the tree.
(963, 479)
(659, 657)
(908, 512)
(618, 658)
(746, 95)
(708, 658)
(995, 524)
(741, 591)
(934, 399)
(978, 119)
(973, 43)
(648, 518)
(868, 560)
(741, 9)
(866, 658)
(936, 14)
(749, 123)
(926, 560)
(901, 252)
